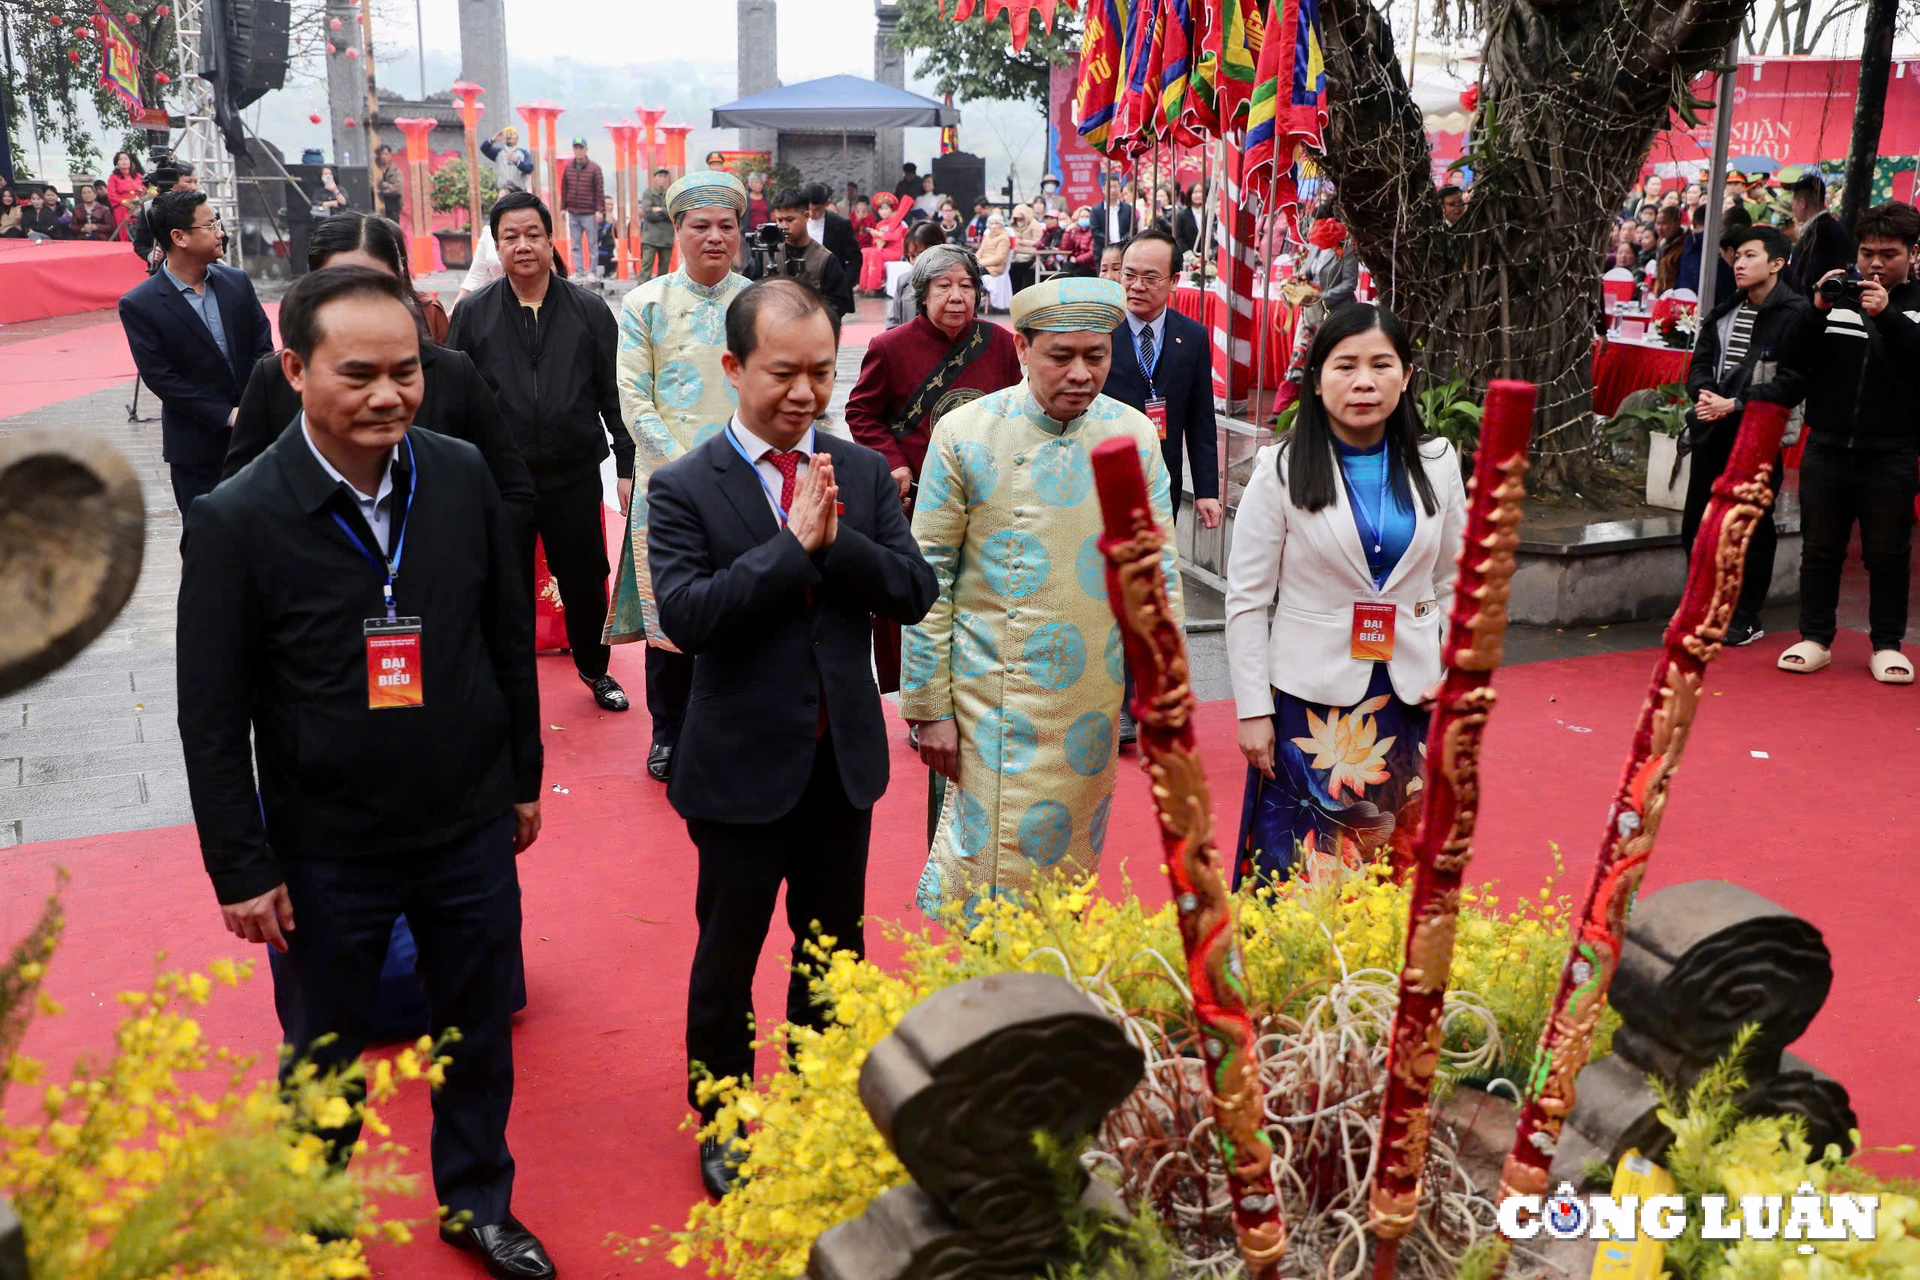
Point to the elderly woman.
(914, 374)
(901, 307)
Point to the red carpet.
(78, 362)
(41, 278)
(1818, 825)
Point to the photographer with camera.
(801, 257)
(1858, 349)
(1736, 360)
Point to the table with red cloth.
(1623, 367)
(1210, 309)
(42, 278)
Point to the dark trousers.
(669, 685)
(1837, 488)
(654, 259)
(819, 849)
(568, 518)
(1710, 457)
(192, 480)
(462, 900)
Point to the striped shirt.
(1740, 335)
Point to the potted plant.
(1665, 417)
(450, 196)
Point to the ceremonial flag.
(1242, 23)
(1096, 90)
(1176, 71)
(119, 57)
(1288, 108)
(1132, 118)
(1198, 117)
(950, 135)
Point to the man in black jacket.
(546, 347)
(772, 549)
(833, 230)
(1859, 358)
(1823, 245)
(1736, 360)
(805, 258)
(351, 602)
(195, 328)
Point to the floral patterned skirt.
(1345, 791)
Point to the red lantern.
(1470, 98)
(331, 48)
(54, 18)
(99, 22)
(74, 54)
(161, 77)
(315, 117)
(352, 52)
(349, 122)
(162, 11)
(333, 25)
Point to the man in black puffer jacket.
(1859, 355)
(546, 348)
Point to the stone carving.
(72, 530)
(958, 1091)
(1702, 960)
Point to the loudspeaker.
(257, 49)
(963, 177)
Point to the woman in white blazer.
(1352, 521)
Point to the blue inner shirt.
(1365, 472)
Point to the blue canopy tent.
(835, 104)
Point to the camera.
(768, 236)
(764, 243)
(1847, 288)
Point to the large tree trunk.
(1570, 97)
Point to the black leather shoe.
(660, 762)
(720, 1164)
(510, 1250)
(607, 692)
(1129, 732)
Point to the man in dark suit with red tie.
(772, 550)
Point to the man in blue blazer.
(1163, 366)
(195, 329)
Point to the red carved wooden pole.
(1163, 707)
(1443, 845)
(1740, 497)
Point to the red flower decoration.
(1470, 98)
(162, 11)
(99, 22)
(315, 117)
(1327, 234)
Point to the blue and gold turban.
(1071, 304)
(704, 188)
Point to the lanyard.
(765, 488)
(389, 563)
(1159, 349)
(1376, 528)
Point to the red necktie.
(788, 465)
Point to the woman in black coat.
(456, 400)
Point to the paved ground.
(94, 749)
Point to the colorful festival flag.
(1242, 23)
(1198, 116)
(119, 57)
(1288, 109)
(950, 135)
(1133, 115)
(1096, 90)
(1176, 71)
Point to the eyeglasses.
(1147, 278)
(203, 226)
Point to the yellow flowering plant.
(813, 1158)
(165, 1162)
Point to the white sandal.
(1890, 666)
(1807, 657)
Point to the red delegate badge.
(1373, 630)
(393, 664)
(1157, 414)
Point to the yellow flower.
(1348, 747)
